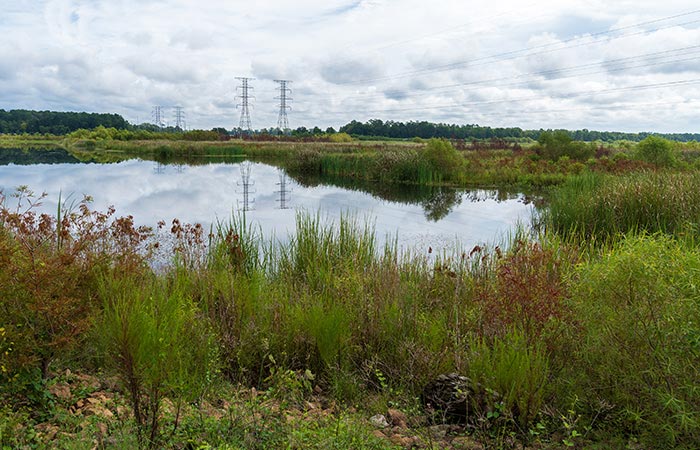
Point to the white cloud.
(356, 59)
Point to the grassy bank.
(565, 343)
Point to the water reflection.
(284, 191)
(24, 156)
(152, 191)
(247, 186)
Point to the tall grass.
(604, 206)
(540, 320)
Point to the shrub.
(556, 144)
(339, 137)
(156, 341)
(443, 159)
(639, 347)
(527, 292)
(658, 151)
(48, 272)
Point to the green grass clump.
(603, 206)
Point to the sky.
(602, 65)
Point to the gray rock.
(379, 421)
(456, 399)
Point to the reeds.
(600, 206)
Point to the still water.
(418, 217)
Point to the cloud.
(349, 59)
(349, 71)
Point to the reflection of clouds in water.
(207, 193)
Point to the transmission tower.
(245, 96)
(283, 192)
(180, 118)
(282, 122)
(246, 183)
(157, 114)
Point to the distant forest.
(21, 121)
(390, 129)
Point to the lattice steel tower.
(157, 115)
(245, 96)
(179, 117)
(282, 122)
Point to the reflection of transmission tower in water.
(245, 107)
(246, 183)
(159, 168)
(283, 192)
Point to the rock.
(378, 434)
(98, 410)
(123, 412)
(397, 418)
(379, 421)
(457, 399)
(101, 429)
(403, 441)
(88, 381)
(210, 411)
(47, 431)
(61, 391)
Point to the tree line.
(19, 121)
(427, 130)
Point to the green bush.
(557, 144)
(443, 159)
(638, 310)
(658, 151)
(154, 338)
(339, 137)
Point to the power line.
(568, 95)
(444, 89)
(470, 23)
(516, 54)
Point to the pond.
(418, 217)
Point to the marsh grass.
(599, 206)
(612, 323)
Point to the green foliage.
(443, 159)
(639, 348)
(154, 339)
(20, 121)
(49, 268)
(559, 144)
(513, 368)
(599, 206)
(657, 151)
(339, 137)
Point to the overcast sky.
(605, 65)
